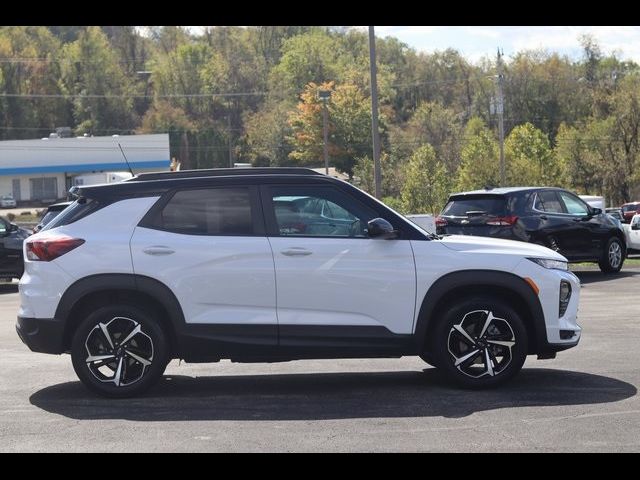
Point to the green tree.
(578, 166)
(31, 69)
(427, 183)
(480, 157)
(436, 125)
(392, 177)
(541, 88)
(90, 67)
(349, 126)
(266, 135)
(313, 57)
(529, 158)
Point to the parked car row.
(552, 217)
(632, 232)
(12, 237)
(629, 210)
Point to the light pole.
(374, 114)
(500, 108)
(324, 96)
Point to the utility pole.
(500, 109)
(324, 96)
(374, 114)
(229, 133)
(325, 137)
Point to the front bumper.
(558, 332)
(43, 335)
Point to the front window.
(319, 212)
(574, 205)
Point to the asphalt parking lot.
(584, 400)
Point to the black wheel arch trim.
(482, 279)
(123, 282)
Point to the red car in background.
(629, 210)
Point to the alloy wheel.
(481, 344)
(615, 255)
(118, 351)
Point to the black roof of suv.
(159, 182)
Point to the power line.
(172, 95)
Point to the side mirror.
(635, 226)
(13, 228)
(380, 228)
(596, 211)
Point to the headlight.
(549, 263)
(565, 296)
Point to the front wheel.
(119, 351)
(480, 342)
(612, 256)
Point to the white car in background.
(632, 233)
(7, 201)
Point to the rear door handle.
(296, 252)
(543, 217)
(157, 250)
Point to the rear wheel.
(612, 256)
(119, 351)
(480, 342)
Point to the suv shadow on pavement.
(325, 396)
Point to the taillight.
(441, 222)
(51, 248)
(502, 221)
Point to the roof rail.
(220, 172)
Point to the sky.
(474, 42)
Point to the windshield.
(630, 208)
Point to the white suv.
(263, 265)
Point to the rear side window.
(210, 211)
(548, 202)
(491, 205)
(74, 212)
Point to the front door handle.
(158, 250)
(296, 252)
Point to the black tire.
(448, 344)
(136, 376)
(610, 262)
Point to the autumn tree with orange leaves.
(349, 126)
